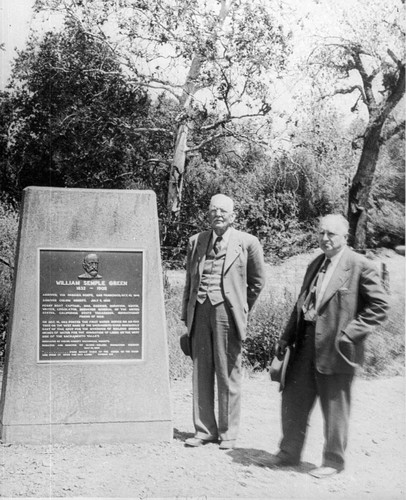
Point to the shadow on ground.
(261, 458)
(180, 435)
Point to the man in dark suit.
(340, 302)
(224, 275)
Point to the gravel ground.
(375, 470)
(376, 458)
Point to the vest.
(211, 281)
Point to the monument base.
(88, 433)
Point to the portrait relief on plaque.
(91, 267)
(95, 315)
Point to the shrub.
(8, 231)
(384, 351)
(180, 365)
(386, 224)
(385, 347)
(266, 323)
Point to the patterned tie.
(321, 276)
(309, 305)
(217, 244)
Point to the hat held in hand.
(184, 341)
(278, 368)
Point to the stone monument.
(86, 357)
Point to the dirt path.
(376, 456)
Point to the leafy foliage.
(264, 329)
(365, 60)
(73, 118)
(8, 230)
(217, 59)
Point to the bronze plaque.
(90, 305)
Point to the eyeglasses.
(329, 234)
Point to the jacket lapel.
(234, 248)
(312, 271)
(339, 277)
(309, 276)
(201, 249)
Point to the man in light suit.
(224, 275)
(340, 302)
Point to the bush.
(386, 224)
(385, 351)
(385, 347)
(180, 366)
(266, 323)
(8, 231)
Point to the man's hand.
(280, 348)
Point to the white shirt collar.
(225, 236)
(335, 258)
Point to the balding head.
(221, 201)
(221, 213)
(339, 222)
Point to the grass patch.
(266, 323)
(180, 366)
(385, 347)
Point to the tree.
(216, 58)
(366, 61)
(73, 120)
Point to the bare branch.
(206, 141)
(348, 90)
(6, 262)
(395, 59)
(220, 123)
(141, 129)
(247, 138)
(369, 95)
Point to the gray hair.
(338, 218)
(222, 198)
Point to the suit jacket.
(243, 275)
(354, 302)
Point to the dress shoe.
(196, 442)
(324, 472)
(227, 445)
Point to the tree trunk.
(186, 125)
(362, 182)
(361, 187)
(179, 156)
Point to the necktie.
(320, 277)
(217, 244)
(309, 305)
